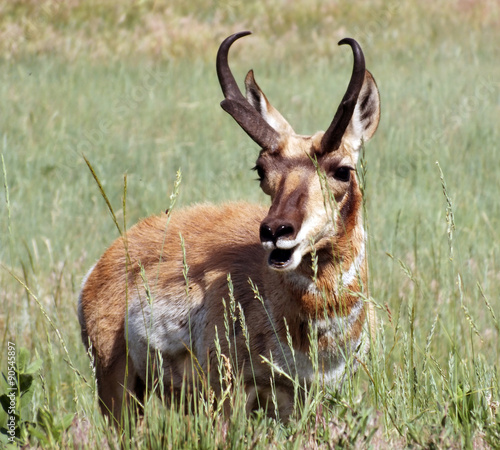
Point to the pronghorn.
(306, 255)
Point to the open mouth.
(281, 258)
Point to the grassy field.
(132, 87)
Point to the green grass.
(76, 80)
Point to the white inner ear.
(354, 132)
(366, 115)
(258, 100)
(273, 117)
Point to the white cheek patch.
(314, 228)
(295, 261)
(306, 284)
(352, 273)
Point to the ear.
(366, 116)
(258, 100)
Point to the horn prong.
(237, 105)
(333, 135)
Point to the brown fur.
(138, 289)
(212, 252)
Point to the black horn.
(237, 105)
(333, 136)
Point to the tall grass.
(132, 88)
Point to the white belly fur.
(165, 326)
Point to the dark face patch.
(302, 185)
(273, 168)
(276, 173)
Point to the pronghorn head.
(300, 173)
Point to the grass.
(132, 87)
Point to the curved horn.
(227, 82)
(237, 105)
(333, 136)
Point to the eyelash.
(260, 172)
(343, 173)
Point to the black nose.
(266, 234)
(270, 233)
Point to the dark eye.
(260, 172)
(342, 173)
